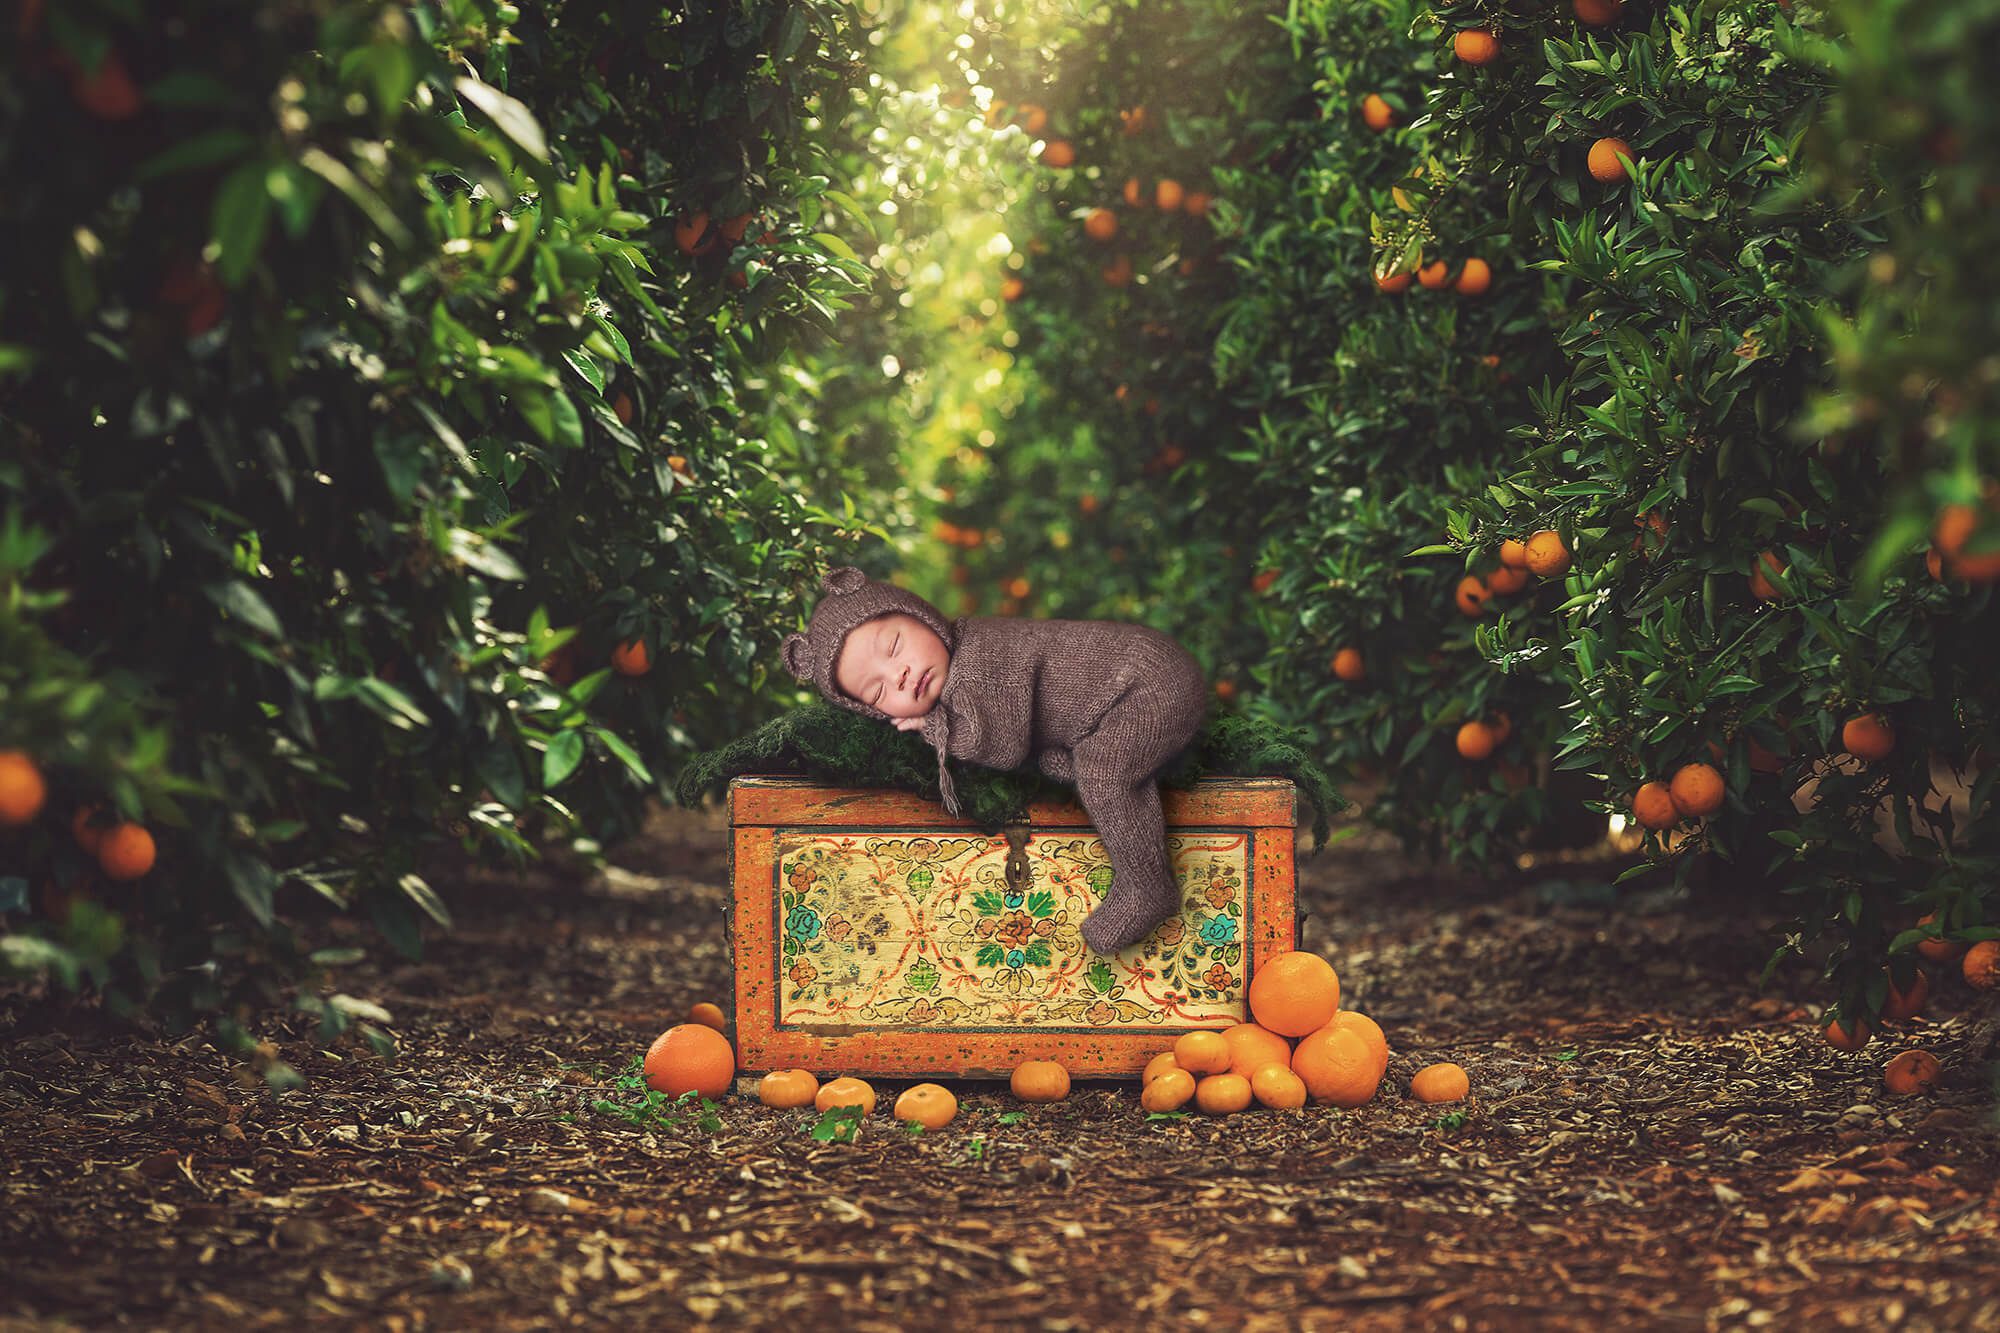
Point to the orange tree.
(370, 388)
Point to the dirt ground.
(1651, 1142)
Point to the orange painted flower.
(1219, 977)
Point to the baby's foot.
(1129, 913)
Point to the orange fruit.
(88, 835)
(1981, 965)
(1059, 153)
(1760, 586)
(845, 1091)
(126, 851)
(1264, 579)
(690, 231)
(1597, 13)
(1118, 272)
(1506, 580)
(1476, 740)
(1336, 1066)
(1844, 1038)
(22, 790)
(1039, 1081)
(929, 1104)
(1370, 1032)
(621, 406)
(1432, 275)
(1225, 689)
(1036, 120)
(1197, 203)
(1903, 1005)
(733, 228)
(1513, 554)
(1160, 1064)
(1868, 736)
(1475, 46)
(1696, 790)
(1277, 1087)
(1911, 1071)
(1938, 950)
(1395, 282)
(1222, 1094)
(1252, 1046)
(1294, 993)
(1956, 525)
(1135, 120)
(1132, 194)
(1011, 289)
(1168, 194)
(1101, 224)
(1474, 278)
(707, 1014)
(1202, 1053)
(1376, 113)
(1472, 594)
(1169, 1092)
(1347, 664)
(1653, 806)
(1547, 556)
(787, 1088)
(1444, 1082)
(1603, 159)
(690, 1057)
(1501, 726)
(630, 658)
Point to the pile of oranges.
(1913, 1071)
(124, 850)
(1300, 1046)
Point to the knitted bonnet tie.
(850, 597)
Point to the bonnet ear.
(796, 659)
(847, 578)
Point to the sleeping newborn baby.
(1102, 704)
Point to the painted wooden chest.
(875, 934)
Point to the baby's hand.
(909, 723)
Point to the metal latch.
(1019, 876)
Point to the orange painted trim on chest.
(874, 933)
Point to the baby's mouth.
(924, 681)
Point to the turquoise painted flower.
(1219, 930)
(803, 922)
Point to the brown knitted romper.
(1101, 704)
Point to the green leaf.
(242, 603)
(565, 752)
(238, 220)
(616, 744)
(203, 150)
(579, 361)
(509, 115)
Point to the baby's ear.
(796, 661)
(848, 578)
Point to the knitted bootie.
(1130, 911)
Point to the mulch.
(1652, 1141)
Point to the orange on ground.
(1868, 736)
(1938, 950)
(1506, 580)
(22, 790)
(1603, 160)
(1981, 965)
(126, 851)
(1101, 224)
(1160, 1064)
(1547, 556)
(787, 1088)
(690, 1057)
(1653, 806)
(1760, 586)
(846, 1091)
(1903, 1005)
(1696, 790)
(1475, 46)
(1039, 1081)
(1011, 289)
(1202, 1052)
(1956, 525)
(1167, 195)
(707, 1014)
(1476, 740)
(1336, 1066)
(631, 659)
(1169, 1092)
(1474, 278)
(88, 835)
(1252, 1046)
(1513, 554)
(1347, 664)
(1376, 113)
(1395, 282)
(1911, 1071)
(1472, 594)
(929, 1104)
(1432, 275)
(1444, 1082)
(1222, 1094)
(1059, 153)
(1277, 1087)
(1370, 1033)
(1844, 1038)
(1294, 993)
(1598, 13)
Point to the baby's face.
(894, 662)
